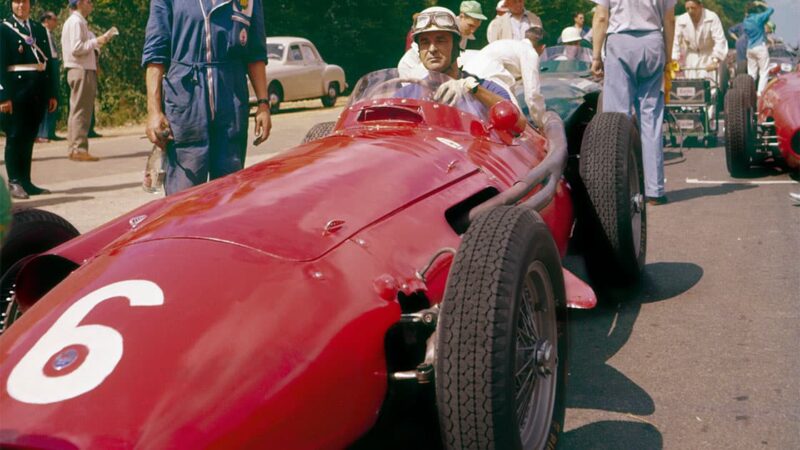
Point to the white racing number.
(101, 347)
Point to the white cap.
(570, 34)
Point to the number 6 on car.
(95, 348)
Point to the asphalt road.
(703, 355)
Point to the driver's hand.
(450, 92)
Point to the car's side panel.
(779, 103)
(251, 365)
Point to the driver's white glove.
(450, 92)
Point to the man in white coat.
(514, 65)
(699, 41)
(513, 24)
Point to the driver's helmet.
(570, 35)
(436, 18)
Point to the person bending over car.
(514, 64)
(436, 34)
(699, 41)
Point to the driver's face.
(435, 48)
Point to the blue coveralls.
(634, 77)
(205, 48)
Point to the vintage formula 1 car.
(762, 129)
(284, 306)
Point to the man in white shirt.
(514, 24)
(80, 61)
(699, 41)
(514, 65)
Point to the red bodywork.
(279, 284)
(780, 103)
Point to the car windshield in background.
(384, 84)
(275, 51)
(566, 58)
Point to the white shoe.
(795, 196)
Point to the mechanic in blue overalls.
(639, 46)
(207, 48)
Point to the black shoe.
(32, 189)
(94, 134)
(57, 138)
(16, 191)
(656, 201)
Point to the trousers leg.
(226, 154)
(83, 89)
(187, 166)
(762, 58)
(618, 80)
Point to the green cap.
(472, 9)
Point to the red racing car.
(410, 257)
(768, 128)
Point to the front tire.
(501, 354)
(33, 231)
(614, 222)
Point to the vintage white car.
(297, 72)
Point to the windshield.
(566, 58)
(275, 51)
(385, 84)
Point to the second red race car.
(765, 129)
(416, 248)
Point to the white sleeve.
(410, 66)
(720, 43)
(676, 42)
(529, 68)
(491, 30)
(77, 47)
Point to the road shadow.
(765, 170)
(597, 335)
(613, 435)
(682, 195)
(90, 189)
(42, 202)
(142, 154)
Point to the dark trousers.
(21, 128)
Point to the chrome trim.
(421, 273)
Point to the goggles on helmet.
(436, 19)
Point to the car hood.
(303, 203)
(565, 93)
(192, 343)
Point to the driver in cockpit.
(436, 33)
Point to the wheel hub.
(544, 357)
(636, 203)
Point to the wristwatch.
(262, 101)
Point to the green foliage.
(359, 35)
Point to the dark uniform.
(26, 80)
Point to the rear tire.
(319, 131)
(614, 222)
(501, 354)
(739, 132)
(746, 84)
(275, 96)
(331, 95)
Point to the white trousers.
(757, 62)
